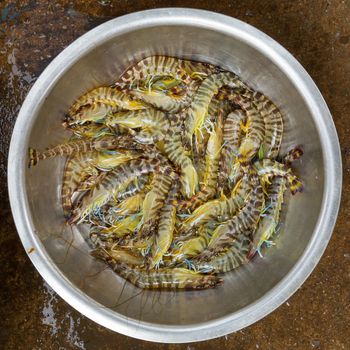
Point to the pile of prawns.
(176, 169)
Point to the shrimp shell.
(108, 96)
(77, 169)
(118, 255)
(164, 278)
(166, 226)
(198, 109)
(231, 141)
(176, 153)
(273, 122)
(210, 176)
(245, 221)
(183, 70)
(234, 257)
(270, 219)
(80, 146)
(267, 168)
(193, 246)
(154, 201)
(218, 209)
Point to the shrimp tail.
(33, 157)
(296, 186)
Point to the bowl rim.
(250, 313)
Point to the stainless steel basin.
(61, 254)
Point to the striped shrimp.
(266, 168)
(245, 220)
(164, 101)
(166, 226)
(107, 96)
(176, 153)
(273, 122)
(218, 209)
(255, 131)
(209, 182)
(119, 255)
(154, 201)
(94, 113)
(132, 188)
(232, 139)
(293, 155)
(130, 205)
(107, 161)
(77, 169)
(189, 248)
(88, 130)
(164, 66)
(198, 109)
(164, 278)
(270, 216)
(123, 227)
(110, 185)
(152, 122)
(234, 257)
(80, 146)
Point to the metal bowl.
(61, 254)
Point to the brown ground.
(316, 32)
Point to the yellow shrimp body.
(107, 161)
(107, 96)
(119, 255)
(190, 248)
(166, 226)
(165, 278)
(77, 169)
(198, 110)
(123, 227)
(270, 217)
(130, 205)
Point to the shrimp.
(176, 153)
(107, 161)
(255, 131)
(164, 66)
(138, 119)
(77, 169)
(119, 255)
(111, 183)
(130, 205)
(191, 247)
(267, 168)
(123, 227)
(154, 124)
(107, 96)
(164, 278)
(132, 188)
(231, 141)
(88, 130)
(218, 209)
(75, 147)
(234, 257)
(293, 155)
(212, 158)
(270, 217)
(166, 226)
(198, 109)
(95, 113)
(244, 221)
(273, 122)
(154, 201)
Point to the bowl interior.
(67, 246)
